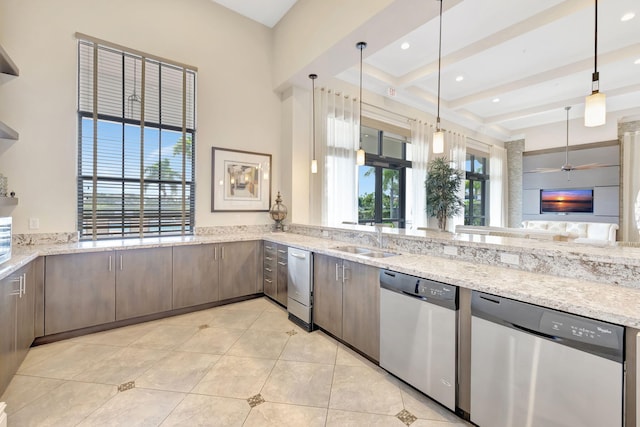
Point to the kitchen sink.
(368, 252)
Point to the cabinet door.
(8, 312)
(239, 265)
(25, 328)
(143, 282)
(195, 275)
(270, 269)
(79, 291)
(283, 279)
(327, 293)
(361, 308)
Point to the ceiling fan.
(568, 167)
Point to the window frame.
(472, 177)
(94, 223)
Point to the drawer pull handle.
(268, 269)
(268, 281)
(282, 263)
(268, 258)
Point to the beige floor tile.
(423, 407)
(276, 321)
(234, 319)
(364, 389)
(66, 405)
(433, 423)
(267, 344)
(23, 390)
(347, 357)
(299, 383)
(179, 371)
(69, 362)
(44, 352)
(238, 377)
(165, 337)
(314, 347)
(196, 411)
(336, 418)
(197, 318)
(121, 337)
(125, 365)
(212, 340)
(135, 407)
(281, 415)
(256, 304)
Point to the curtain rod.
(389, 111)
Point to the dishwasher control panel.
(431, 291)
(582, 330)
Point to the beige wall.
(236, 106)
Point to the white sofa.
(579, 232)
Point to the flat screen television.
(566, 201)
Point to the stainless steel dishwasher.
(300, 287)
(533, 366)
(418, 321)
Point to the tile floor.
(243, 364)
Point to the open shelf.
(7, 133)
(8, 201)
(7, 66)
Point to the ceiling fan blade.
(544, 170)
(590, 166)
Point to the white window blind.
(136, 144)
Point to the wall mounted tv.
(566, 201)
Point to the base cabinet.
(143, 282)
(195, 275)
(275, 271)
(239, 267)
(17, 314)
(347, 302)
(80, 291)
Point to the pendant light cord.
(361, 46)
(595, 59)
(439, 65)
(566, 151)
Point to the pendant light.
(595, 106)
(438, 135)
(314, 162)
(360, 152)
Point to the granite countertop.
(615, 304)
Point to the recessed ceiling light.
(628, 16)
(637, 61)
(495, 100)
(405, 46)
(459, 78)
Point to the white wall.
(236, 106)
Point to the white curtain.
(630, 226)
(457, 144)
(498, 187)
(334, 198)
(420, 153)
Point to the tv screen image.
(566, 201)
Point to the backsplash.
(44, 238)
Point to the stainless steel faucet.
(379, 237)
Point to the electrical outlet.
(34, 223)
(513, 259)
(451, 250)
(325, 233)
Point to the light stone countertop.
(615, 304)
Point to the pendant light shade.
(360, 153)
(438, 135)
(595, 106)
(314, 162)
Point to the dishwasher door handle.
(297, 255)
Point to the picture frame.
(240, 181)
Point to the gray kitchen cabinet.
(17, 313)
(361, 308)
(195, 275)
(276, 272)
(239, 269)
(143, 282)
(80, 291)
(327, 293)
(347, 302)
(270, 269)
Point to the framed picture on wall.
(240, 181)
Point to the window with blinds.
(136, 144)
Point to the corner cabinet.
(7, 68)
(347, 302)
(240, 269)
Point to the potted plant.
(442, 186)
